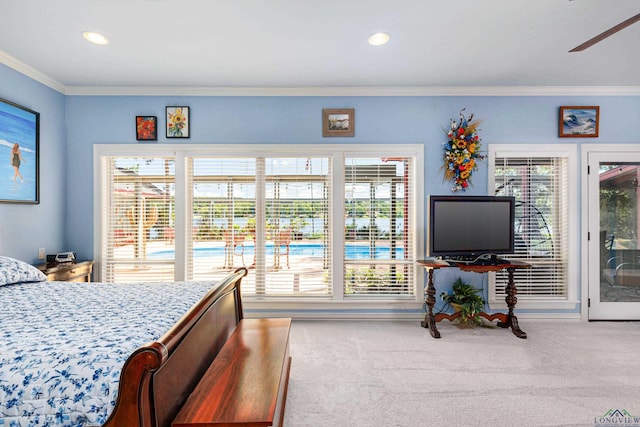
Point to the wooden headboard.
(158, 377)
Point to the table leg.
(512, 300)
(429, 319)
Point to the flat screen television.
(471, 226)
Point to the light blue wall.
(288, 120)
(386, 120)
(25, 228)
(64, 219)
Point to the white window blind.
(221, 216)
(540, 187)
(138, 219)
(303, 226)
(379, 256)
(268, 214)
(297, 229)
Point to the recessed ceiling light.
(378, 39)
(95, 37)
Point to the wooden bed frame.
(158, 378)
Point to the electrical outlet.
(41, 253)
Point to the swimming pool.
(295, 249)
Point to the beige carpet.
(567, 373)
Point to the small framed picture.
(338, 122)
(177, 122)
(146, 128)
(579, 122)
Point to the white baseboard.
(390, 316)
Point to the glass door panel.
(614, 255)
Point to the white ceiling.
(316, 44)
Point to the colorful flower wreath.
(461, 151)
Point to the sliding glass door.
(614, 247)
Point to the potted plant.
(467, 300)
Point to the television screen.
(471, 225)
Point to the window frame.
(570, 153)
(397, 307)
(368, 172)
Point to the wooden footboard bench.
(159, 377)
(246, 385)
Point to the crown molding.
(31, 72)
(358, 91)
(333, 91)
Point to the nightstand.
(68, 272)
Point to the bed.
(78, 354)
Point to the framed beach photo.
(19, 144)
(338, 122)
(177, 122)
(146, 128)
(579, 122)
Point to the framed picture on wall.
(19, 147)
(579, 122)
(338, 122)
(177, 122)
(146, 128)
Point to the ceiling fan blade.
(609, 32)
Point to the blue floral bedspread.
(63, 344)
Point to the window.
(379, 233)
(297, 226)
(221, 215)
(138, 219)
(319, 223)
(268, 214)
(540, 181)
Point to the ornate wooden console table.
(505, 320)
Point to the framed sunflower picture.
(177, 122)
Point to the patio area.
(286, 273)
(296, 269)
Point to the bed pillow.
(16, 271)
